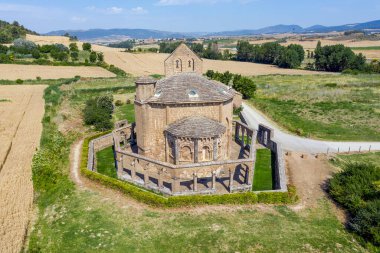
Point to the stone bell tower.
(183, 60)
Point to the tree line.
(240, 83)
(22, 49)
(10, 32)
(290, 56)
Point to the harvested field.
(14, 72)
(153, 63)
(20, 132)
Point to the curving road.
(292, 142)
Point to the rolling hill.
(156, 34)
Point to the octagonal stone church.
(184, 140)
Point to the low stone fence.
(96, 145)
(264, 137)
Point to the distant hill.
(131, 33)
(94, 34)
(10, 32)
(280, 29)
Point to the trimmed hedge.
(156, 200)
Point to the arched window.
(186, 154)
(177, 64)
(189, 64)
(206, 153)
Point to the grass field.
(125, 111)
(73, 219)
(368, 157)
(105, 162)
(331, 107)
(263, 171)
(366, 48)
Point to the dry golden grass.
(15, 71)
(153, 63)
(20, 133)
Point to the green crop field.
(366, 48)
(335, 107)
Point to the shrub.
(355, 189)
(86, 46)
(100, 56)
(238, 110)
(74, 55)
(118, 103)
(3, 49)
(73, 47)
(93, 57)
(23, 46)
(245, 86)
(19, 81)
(98, 112)
(38, 78)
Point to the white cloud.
(114, 10)
(187, 2)
(110, 10)
(139, 10)
(76, 19)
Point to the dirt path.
(309, 174)
(20, 131)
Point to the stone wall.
(95, 146)
(183, 60)
(264, 137)
(152, 120)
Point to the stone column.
(195, 187)
(237, 130)
(133, 173)
(231, 179)
(176, 184)
(252, 146)
(242, 137)
(176, 153)
(119, 164)
(132, 134)
(213, 184)
(196, 150)
(215, 149)
(146, 177)
(249, 175)
(160, 183)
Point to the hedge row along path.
(20, 133)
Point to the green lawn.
(366, 48)
(106, 162)
(263, 171)
(322, 106)
(125, 111)
(88, 222)
(368, 157)
(71, 219)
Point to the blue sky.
(185, 15)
